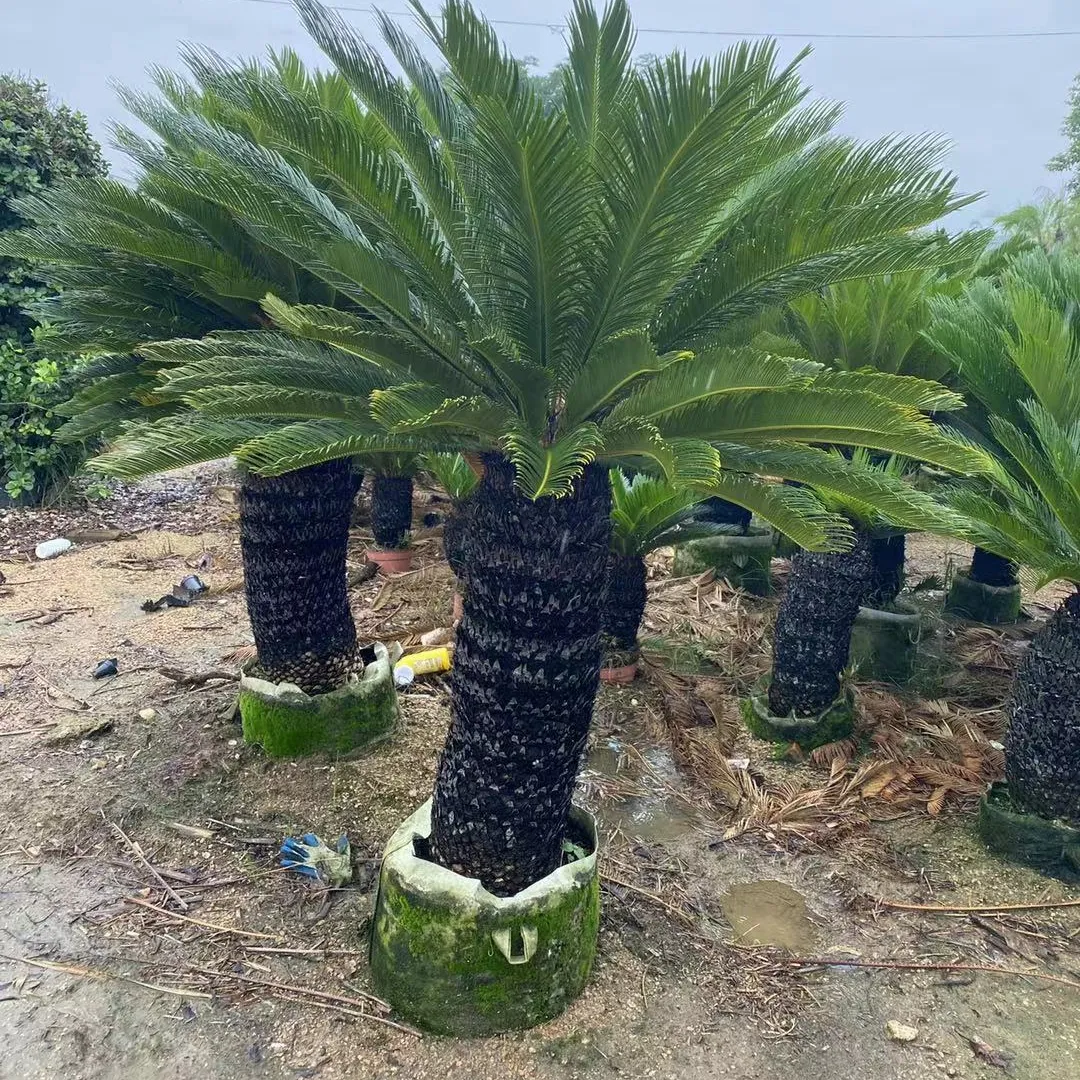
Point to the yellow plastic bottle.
(428, 662)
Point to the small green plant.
(31, 387)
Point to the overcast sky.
(1000, 101)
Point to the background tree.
(1068, 160)
(40, 144)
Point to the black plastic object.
(106, 668)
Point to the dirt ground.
(146, 931)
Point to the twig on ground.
(200, 922)
(31, 730)
(917, 965)
(91, 973)
(138, 853)
(333, 1000)
(896, 905)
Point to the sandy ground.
(95, 984)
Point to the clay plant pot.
(456, 960)
(1051, 847)
(745, 561)
(391, 561)
(835, 722)
(619, 676)
(885, 643)
(990, 604)
(286, 722)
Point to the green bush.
(31, 387)
(39, 145)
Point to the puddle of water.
(769, 913)
(651, 813)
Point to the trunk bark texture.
(813, 628)
(294, 532)
(625, 603)
(525, 674)
(1042, 752)
(391, 509)
(455, 530)
(990, 569)
(887, 555)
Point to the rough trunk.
(813, 628)
(455, 531)
(724, 513)
(294, 531)
(990, 569)
(625, 603)
(391, 509)
(525, 674)
(887, 555)
(1042, 754)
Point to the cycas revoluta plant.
(647, 512)
(826, 589)
(162, 261)
(1017, 349)
(547, 287)
(458, 479)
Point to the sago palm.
(549, 288)
(1017, 348)
(825, 590)
(647, 512)
(161, 261)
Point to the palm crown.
(556, 285)
(1016, 349)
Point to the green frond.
(826, 416)
(371, 342)
(454, 474)
(551, 470)
(609, 371)
(174, 442)
(417, 407)
(705, 380)
(793, 511)
(287, 447)
(903, 390)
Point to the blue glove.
(312, 858)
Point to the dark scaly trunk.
(813, 628)
(525, 674)
(294, 532)
(391, 509)
(990, 569)
(625, 603)
(887, 555)
(724, 513)
(455, 531)
(1042, 752)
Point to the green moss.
(745, 561)
(885, 644)
(289, 723)
(1051, 847)
(991, 604)
(434, 954)
(836, 722)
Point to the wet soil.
(94, 984)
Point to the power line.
(1003, 35)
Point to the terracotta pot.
(619, 676)
(396, 561)
(459, 607)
